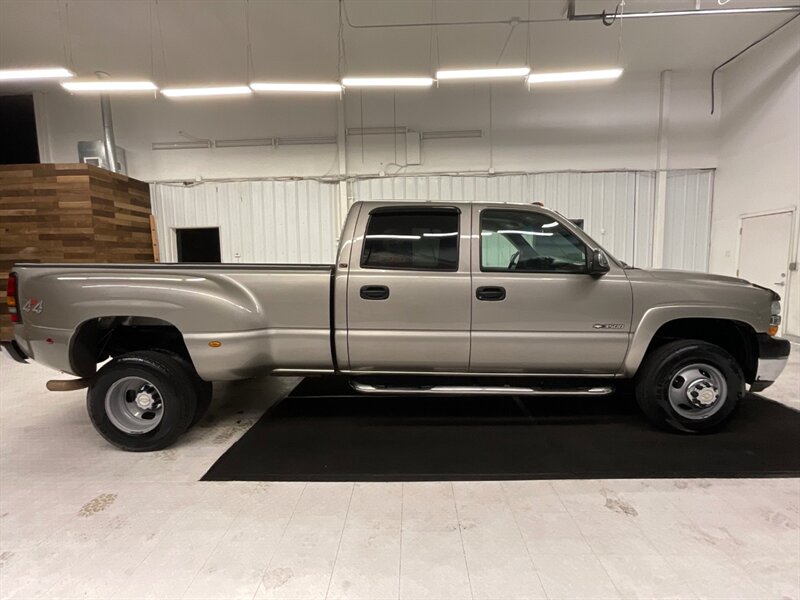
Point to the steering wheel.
(512, 264)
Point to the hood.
(693, 276)
(696, 277)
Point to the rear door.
(535, 309)
(408, 291)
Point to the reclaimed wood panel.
(70, 213)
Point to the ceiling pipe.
(108, 133)
(609, 18)
(109, 143)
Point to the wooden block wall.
(70, 213)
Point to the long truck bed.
(237, 320)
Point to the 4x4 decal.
(34, 306)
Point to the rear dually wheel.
(142, 401)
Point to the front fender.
(658, 316)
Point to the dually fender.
(194, 303)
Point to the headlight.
(774, 317)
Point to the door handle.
(374, 292)
(781, 283)
(491, 293)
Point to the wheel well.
(739, 339)
(106, 337)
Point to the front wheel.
(689, 386)
(142, 401)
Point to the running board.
(478, 390)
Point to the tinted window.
(528, 241)
(425, 240)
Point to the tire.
(203, 390)
(689, 386)
(142, 401)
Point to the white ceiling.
(204, 40)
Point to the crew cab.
(424, 298)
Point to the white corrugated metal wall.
(259, 221)
(295, 221)
(688, 219)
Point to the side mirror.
(598, 264)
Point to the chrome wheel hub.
(134, 405)
(697, 391)
(144, 400)
(702, 393)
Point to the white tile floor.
(79, 519)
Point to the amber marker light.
(215, 343)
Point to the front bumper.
(773, 354)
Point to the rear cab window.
(413, 239)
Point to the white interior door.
(764, 250)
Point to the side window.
(514, 240)
(412, 239)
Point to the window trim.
(413, 209)
(483, 269)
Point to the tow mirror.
(598, 264)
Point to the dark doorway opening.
(200, 245)
(18, 123)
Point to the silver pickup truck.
(456, 299)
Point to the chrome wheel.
(697, 391)
(134, 405)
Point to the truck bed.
(265, 317)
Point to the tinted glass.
(528, 241)
(425, 240)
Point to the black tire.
(661, 369)
(175, 390)
(203, 390)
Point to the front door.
(535, 309)
(408, 291)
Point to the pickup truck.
(424, 298)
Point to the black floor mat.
(323, 432)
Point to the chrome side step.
(478, 390)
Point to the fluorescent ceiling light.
(705, 11)
(387, 82)
(564, 76)
(523, 232)
(237, 90)
(483, 73)
(321, 88)
(109, 85)
(26, 74)
(391, 236)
